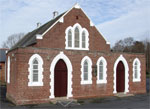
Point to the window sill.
(68, 48)
(136, 80)
(101, 81)
(35, 84)
(86, 82)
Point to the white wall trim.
(104, 68)
(89, 81)
(138, 79)
(39, 36)
(121, 58)
(80, 36)
(62, 56)
(78, 7)
(40, 69)
(8, 69)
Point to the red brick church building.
(68, 57)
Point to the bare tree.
(124, 45)
(12, 40)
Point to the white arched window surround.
(138, 69)
(104, 80)
(72, 28)
(8, 69)
(89, 81)
(40, 70)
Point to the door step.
(123, 95)
(62, 99)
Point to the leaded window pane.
(35, 61)
(100, 76)
(77, 40)
(69, 39)
(35, 70)
(35, 66)
(83, 40)
(85, 76)
(85, 70)
(35, 77)
(101, 70)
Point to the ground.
(141, 101)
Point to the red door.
(60, 79)
(120, 77)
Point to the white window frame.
(104, 80)
(89, 81)
(8, 69)
(40, 70)
(138, 79)
(72, 28)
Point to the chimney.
(38, 24)
(55, 14)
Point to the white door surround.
(121, 58)
(62, 56)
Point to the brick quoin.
(51, 45)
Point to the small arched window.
(101, 70)
(77, 40)
(69, 38)
(83, 40)
(136, 70)
(35, 70)
(85, 70)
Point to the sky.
(115, 19)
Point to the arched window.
(77, 40)
(69, 38)
(101, 70)
(86, 70)
(35, 70)
(83, 40)
(85, 75)
(136, 70)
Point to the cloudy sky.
(115, 19)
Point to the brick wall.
(23, 94)
(55, 38)
(2, 72)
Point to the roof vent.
(38, 24)
(55, 14)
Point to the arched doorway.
(120, 77)
(126, 74)
(60, 79)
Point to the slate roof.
(3, 55)
(30, 38)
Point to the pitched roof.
(3, 55)
(30, 38)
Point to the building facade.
(2, 64)
(68, 57)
